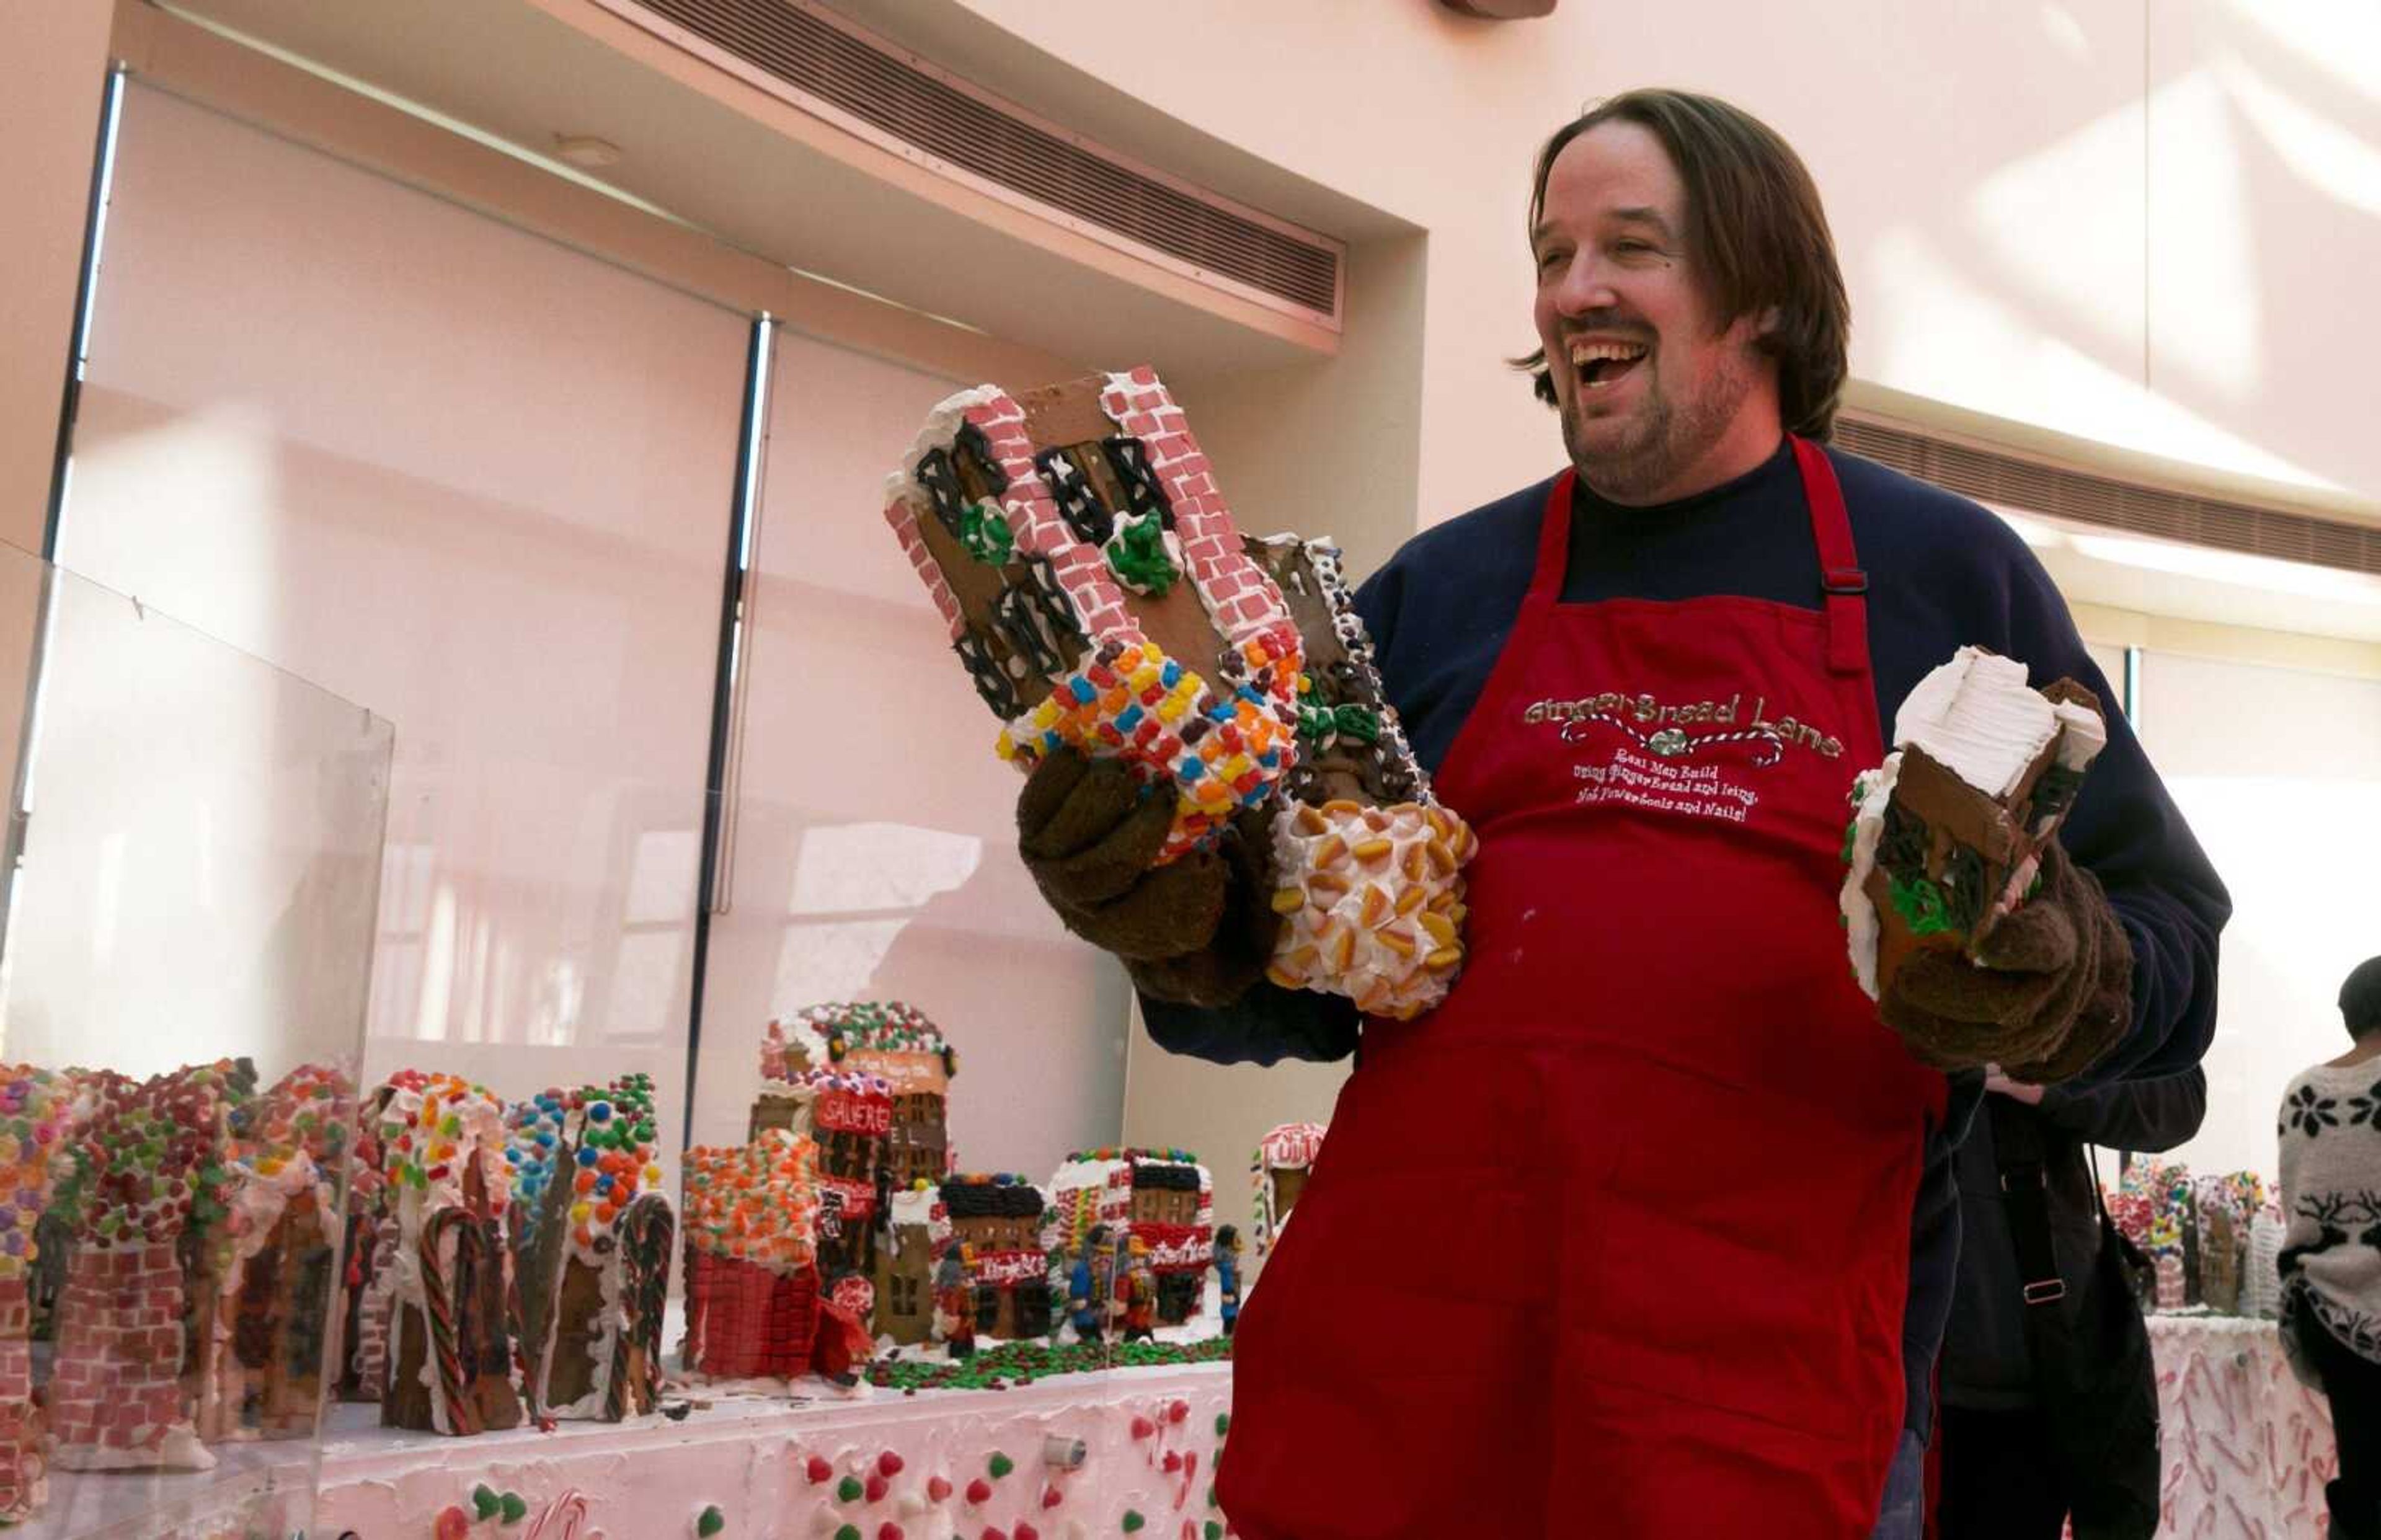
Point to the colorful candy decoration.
(1265, 692)
(1077, 637)
(450, 1361)
(580, 1161)
(751, 1293)
(37, 1137)
(1371, 900)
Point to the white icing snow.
(2083, 734)
(1976, 716)
(1875, 789)
(941, 426)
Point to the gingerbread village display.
(213, 1260)
(2214, 1243)
(175, 1242)
(1946, 834)
(1102, 597)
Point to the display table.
(939, 1465)
(2248, 1448)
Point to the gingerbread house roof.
(756, 1203)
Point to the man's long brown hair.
(1755, 234)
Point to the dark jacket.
(1986, 1363)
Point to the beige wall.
(52, 74)
(2130, 224)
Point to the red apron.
(1614, 1242)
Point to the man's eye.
(1550, 259)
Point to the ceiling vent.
(813, 57)
(2030, 486)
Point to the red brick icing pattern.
(1082, 572)
(117, 1385)
(20, 1424)
(1238, 594)
(752, 1322)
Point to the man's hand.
(1196, 931)
(2016, 1090)
(2052, 993)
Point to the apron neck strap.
(1841, 582)
(1554, 543)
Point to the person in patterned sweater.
(2331, 1261)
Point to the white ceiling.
(518, 72)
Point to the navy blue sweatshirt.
(1943, 573)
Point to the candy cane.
(1772, 748)
(644, 1233)
(462, 1412)
(563, 1516)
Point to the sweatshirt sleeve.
(2126, 830)
(1264, 1026)
(2146, 1116)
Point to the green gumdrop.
(1223, 1423)
(483, 1498)
(516, 1508)
(712, 1521)
(849, 1532)
(849, 1489)
(1001, 1465)
(1214, 1531)
(1133, 1521)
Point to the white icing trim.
(941, 426)
(1874, 788)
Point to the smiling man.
(1649, 1229)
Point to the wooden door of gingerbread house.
(905, 1293)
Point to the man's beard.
(1664, 438)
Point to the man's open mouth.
(1600, 363)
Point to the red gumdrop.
(888, 1530)
(1177, 1412)
(819, 1471)
(1027, 1532)
(876, 1489)
(1052, 1497)
(937, 1489)
(1173, 1461)
(888, 1464)
(979, 1492)
(996, 1535)
(1142, 1428)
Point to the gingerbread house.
(849, 1115)
(998, 1219)
(154, 1161)
(917, 1233)
(1284, 1158)
(1946, 834)
(1162, 1197)
(894, 1042)
(752, 1261)
(36, 1137)
(1102, 597)
(448, 1282)
(265, 1278)
(593, 1248)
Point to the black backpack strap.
(2025, 1194)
